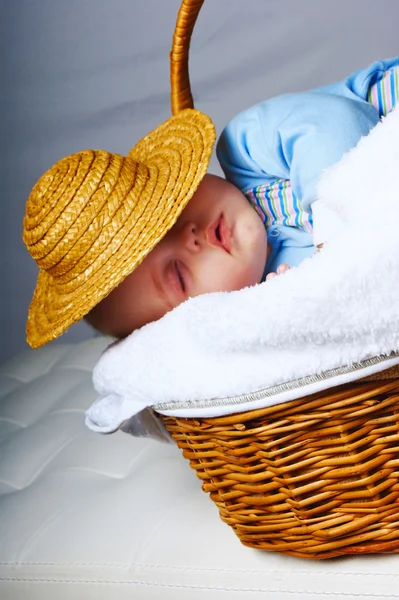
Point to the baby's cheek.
(239, 279)
(218, 278)
(251, 277)
(250, 271)
(224, 273)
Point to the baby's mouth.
(218, 234)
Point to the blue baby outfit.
(276, 151)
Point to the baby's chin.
(256, 254)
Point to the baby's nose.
(191, 237)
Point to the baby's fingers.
(270, 276)
(283, 268)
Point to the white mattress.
(86, 516)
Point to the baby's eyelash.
(180, 276)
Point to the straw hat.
(94, 216)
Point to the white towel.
(336, 309)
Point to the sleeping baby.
(199, 233)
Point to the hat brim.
(177, 155)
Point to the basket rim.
(281, 392)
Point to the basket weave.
(316, 477)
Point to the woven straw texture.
(315, 477)
(392, 373)
(94, 216)
(180, 95)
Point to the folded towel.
(296, 334)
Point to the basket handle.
(180, 95)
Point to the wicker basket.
(316, 477)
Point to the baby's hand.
(280, 270)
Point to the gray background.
(94, 74)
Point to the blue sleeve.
(357, 85)
(294, 137)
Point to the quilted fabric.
(86, 516)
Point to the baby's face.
(218, 244)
